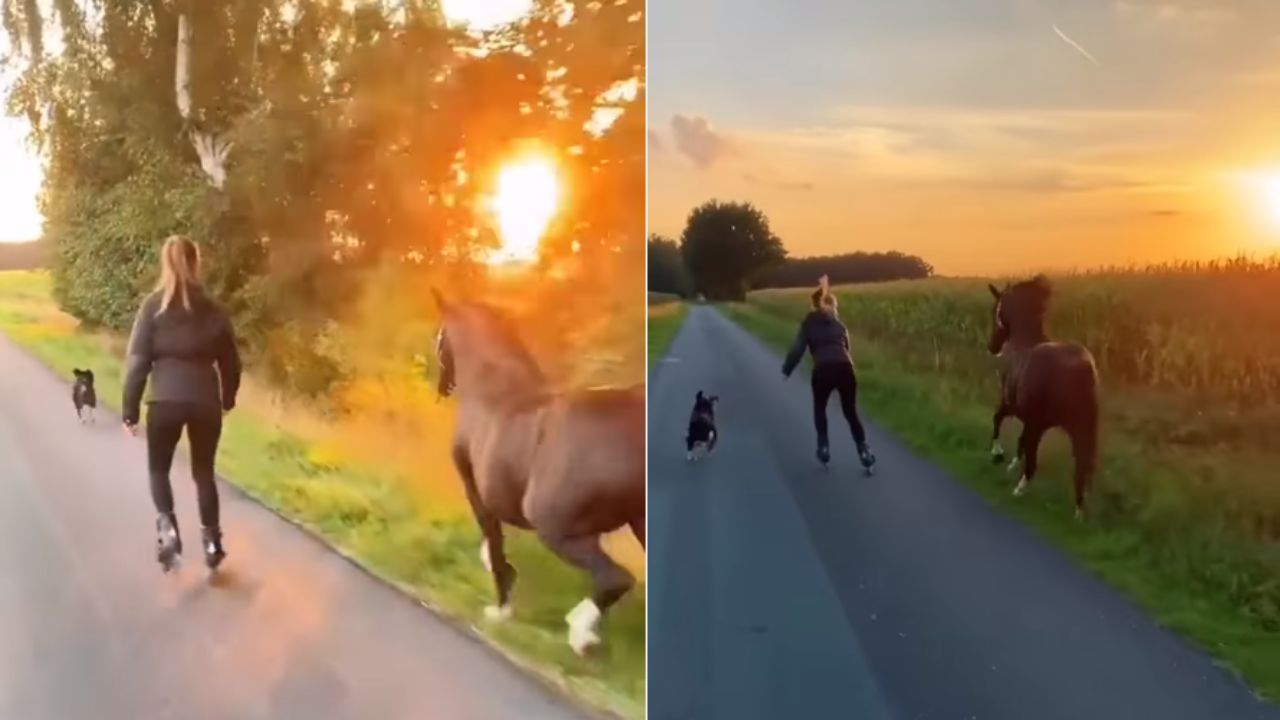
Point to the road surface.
(90, 628)
(779, 591)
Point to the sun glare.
(524, 202)
(1268, 189)
(484, 14)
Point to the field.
(1186, 507)
(382, 491)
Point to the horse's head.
(1018, 311)
(479, 349)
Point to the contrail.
(1075, 45)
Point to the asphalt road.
(778, 590)
(90, 628)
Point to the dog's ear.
(441, 303)
(698, 396)
(994, 292)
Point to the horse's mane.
(506, 331)
(1038, 291)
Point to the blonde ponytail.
(179, 271)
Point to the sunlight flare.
(484, 14)
(525, 199)
(1268, 189)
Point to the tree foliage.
(360, 134)
(855, 267)
(727, 247)
(667, 273)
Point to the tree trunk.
(212, 149)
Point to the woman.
(184, 343)
(826, 338)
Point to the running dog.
(84, 395)
(702, 425)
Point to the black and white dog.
(84, 395)
(702, 425)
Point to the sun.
(484, 14)
(1268, 189)
(525, 199)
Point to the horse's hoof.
(1021, 487)
(1079, 514)
(1013, 465)
(997, 458)
(582, 621)
(497, 613)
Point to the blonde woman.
(184, 344)
(827, 340)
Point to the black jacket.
(823, 335)
(189, 356)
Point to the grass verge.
(665, 320)
(376, 516)
(1199, 581)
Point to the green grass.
(1158, 530)
(374, 516)
(664, 322)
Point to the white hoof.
(497, 613)
(484, 556)
(1021, 487)
(997, 449)
(582, 620)
(1013, 465)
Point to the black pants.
(840, 378)
(165, 422)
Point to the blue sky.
(1125, 129)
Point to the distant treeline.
(855, 267)
(22, 256)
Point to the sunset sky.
(988, 136)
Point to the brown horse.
(568, 465)
(1044, 384)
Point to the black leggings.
(840, 378)
(165, 421)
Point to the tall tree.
(667, 273)
(727, 246)
(303, 145)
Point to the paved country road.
(779, 591)
(90, 628)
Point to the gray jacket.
(824, 336)
(189, 356)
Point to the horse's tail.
(1084, 430)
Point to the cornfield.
(1208, 333)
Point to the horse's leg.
(492, 550)
(1029, 448)
(612, 581)
(997, 450)
(1084, 447)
